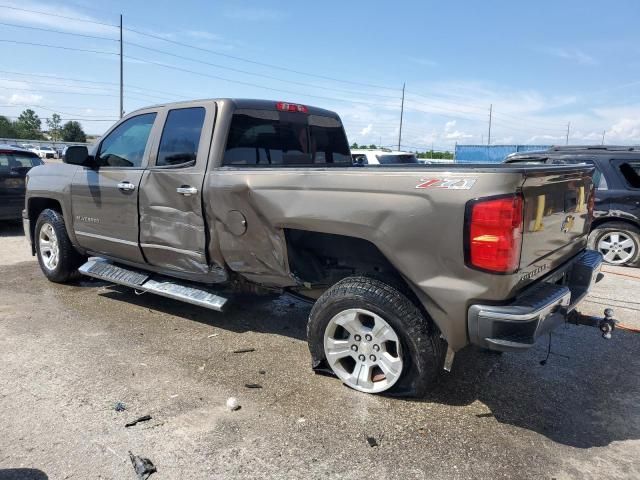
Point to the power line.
(57, 46)
(58, 16)
(88, 117)
(173, 67)
(269, 65)
(57, 31)
(261, 75)
(80, 80)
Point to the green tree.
(54, 123)
(7, 128)
(72, 132)
(28, 125)
(354, 145)
(372, 146)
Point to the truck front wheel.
(58, 260)
(374, 338)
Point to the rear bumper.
(537, 311)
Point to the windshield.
(392, 159)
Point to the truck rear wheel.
(618, 242)
(374, 338)
(58, 260)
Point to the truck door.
(172, 226)
(104, 199)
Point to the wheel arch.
(324, 259)
(599, 222)
(35, 206)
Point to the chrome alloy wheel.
(363, 350)
(617, 247)
(48, 244)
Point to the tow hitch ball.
(606, 324)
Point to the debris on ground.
(142, 466)
(244, 350)
(144, 418)
(253, 385)
(233, 404)
(372, 442)
(119, 407)
(213, 335)
(262, 372)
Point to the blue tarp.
(491, 153)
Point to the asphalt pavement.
(71, 354)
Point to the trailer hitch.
(606, 324)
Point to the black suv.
(15, 162)
(615, 231)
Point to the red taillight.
(494, 234)
(291, 107)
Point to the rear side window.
(9, 160)
(631, 173)
(272, 138)
(181, 137)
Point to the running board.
(170, 288)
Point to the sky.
(542, 66)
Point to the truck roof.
(244, 103)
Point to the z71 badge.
(448, 183)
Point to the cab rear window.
(273, 138)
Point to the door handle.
(187, 190)
(126, 186)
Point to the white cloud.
(24, 98)
(424, 62)
(573, 54)
(203, 35)
(52, 16)
(366, 130)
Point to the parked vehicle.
(615, 231)
(60, 148)
(44, 151)
(14, 165)
(404, 262)
(382, 157)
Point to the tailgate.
(556, 217)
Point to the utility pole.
(490, 115)
(603, 133)
(401, 112)
(568, 128)
(121, 74)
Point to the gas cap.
(236, 222)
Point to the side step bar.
(170, 288)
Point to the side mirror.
(78, 155)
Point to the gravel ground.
(68, 353)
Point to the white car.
(44, 151)
(382, 157)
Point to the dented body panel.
(234, 225)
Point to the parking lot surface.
(69, 353)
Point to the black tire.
(423, 349)
(631, 231)
(69, 259)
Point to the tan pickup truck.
(406, 264)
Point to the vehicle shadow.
(22, 474)
(585, 396)
(279, 314)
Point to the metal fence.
(491, 153)
(23, 141)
